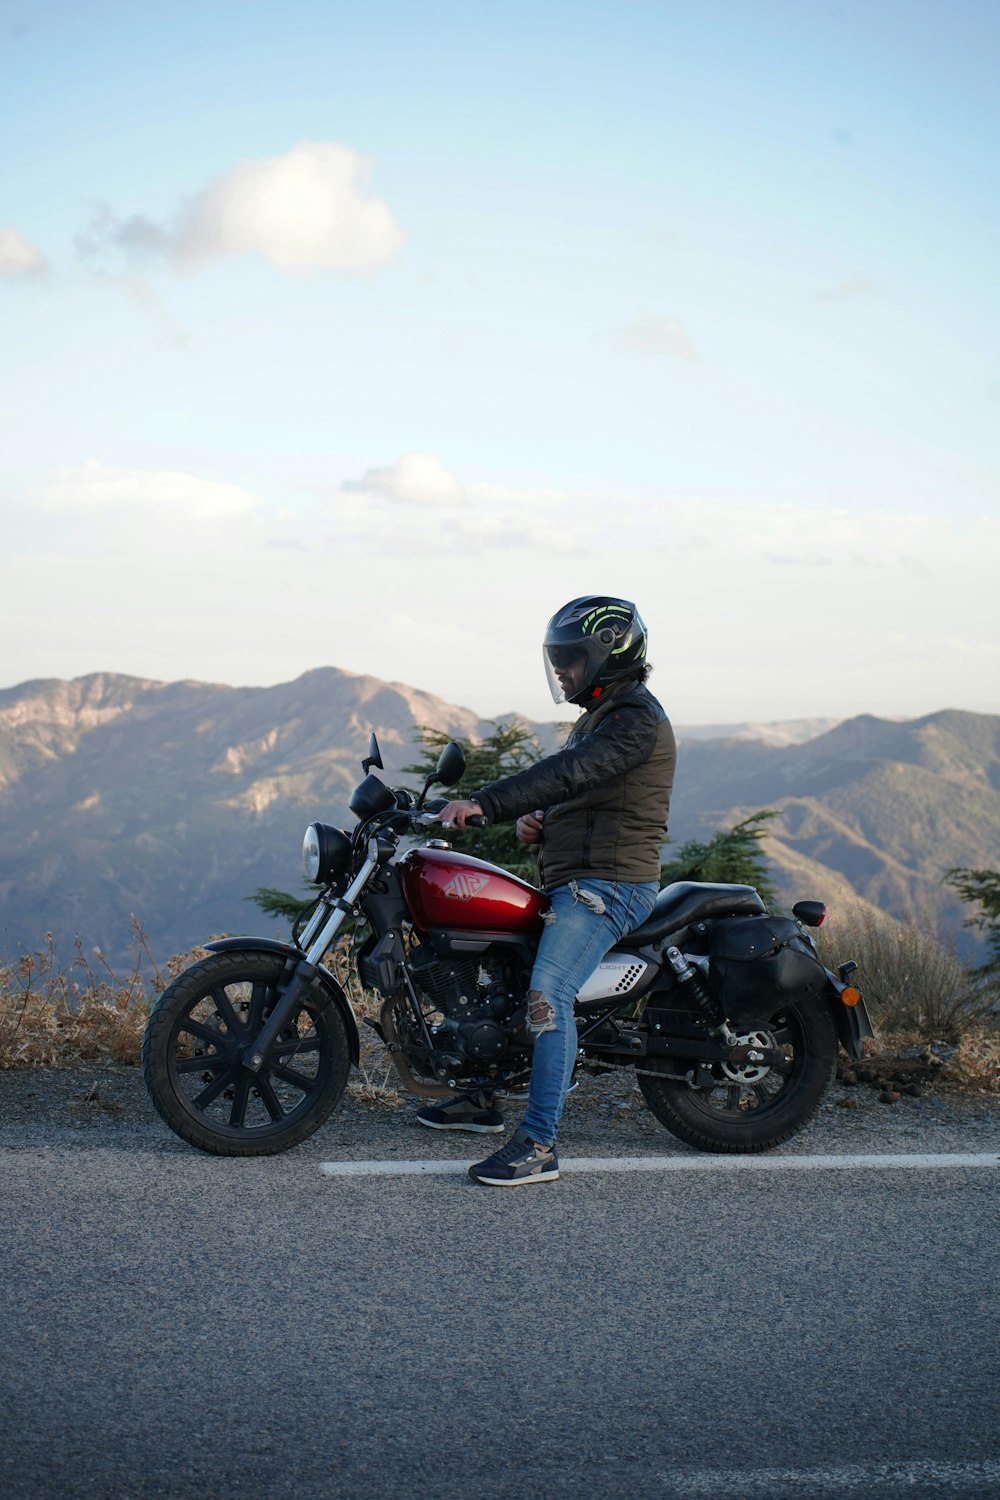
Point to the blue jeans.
(585, 919)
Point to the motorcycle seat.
(687, 901)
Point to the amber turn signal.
(850, 996)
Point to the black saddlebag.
(759, 964)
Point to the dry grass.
(376, 1081)
(912, 983)
(893, 1059)
(66, 1016)
(975, 1066)
(61, 1016)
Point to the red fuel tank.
(444, 889)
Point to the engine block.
(477, 998)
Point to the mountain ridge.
(123, 794)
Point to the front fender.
(288, 950)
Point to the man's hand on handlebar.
(462, 815)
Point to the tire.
(196, 1082)
(765, 1107)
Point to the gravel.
(605, 1116)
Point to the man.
(598, 811)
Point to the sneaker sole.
(518, 1181)
(472, 1129)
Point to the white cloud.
(415, 479)
(848, 291)
(737, 630)
(489, 531)
(305, 210)
(422, 479)
(18, 256)
(652, 334)
(502, 494)
(94, 486)
(302, 211)
(137, 291)
(483, 517)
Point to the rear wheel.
(753, 1108)
(195, 1037)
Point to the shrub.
(911, 981)
(510, 747)
(981, 888)
(733, 856)
(55, 1016)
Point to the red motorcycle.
(725, 1012)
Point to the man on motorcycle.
(598, 811)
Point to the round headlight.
(326, 853)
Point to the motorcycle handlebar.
(431, 813)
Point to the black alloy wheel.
(751, 1108)
(196, 1035)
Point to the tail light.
(810, 913)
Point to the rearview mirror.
(449, 769)
(374, 757)
(451, 765)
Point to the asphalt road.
(180, 1326)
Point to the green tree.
(983, 888)
(508, 748)
(730, 857)
(279, 903)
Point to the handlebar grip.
(435, 805)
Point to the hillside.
(889, 806)
(176, 800)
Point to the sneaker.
(520, 1161)
(461, 1113)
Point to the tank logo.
(461, 887)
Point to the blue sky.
(365, 335)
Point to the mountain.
(782, 732)
(887, 805)
(176, 800)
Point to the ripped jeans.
(585, 919)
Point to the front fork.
(322, 928)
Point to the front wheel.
(199, 1028)
(746, 1109)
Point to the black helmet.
(605, 636)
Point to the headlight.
(370, 798)
(326, 853)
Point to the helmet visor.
(572, 667)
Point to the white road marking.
(862, 1480)
(912, 1161)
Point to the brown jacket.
(606, 795)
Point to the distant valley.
(177, 800)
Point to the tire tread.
(231, 966)
(660, 1096)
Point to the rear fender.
(331, 989)
(852, 1021)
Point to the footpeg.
(376, 1027)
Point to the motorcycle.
(722, 1010)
